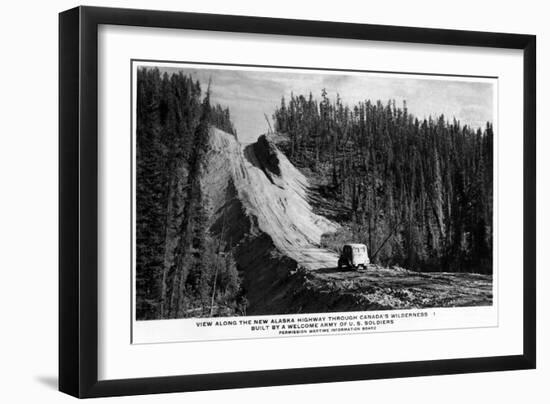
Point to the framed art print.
(248, 201)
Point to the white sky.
(251, 93)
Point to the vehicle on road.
(354, 256)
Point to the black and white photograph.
(277, 191)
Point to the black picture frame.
(78, 200)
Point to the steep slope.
(259, 205)
(273, 195)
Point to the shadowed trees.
(181, 271)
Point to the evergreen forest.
(418, 193)
(181, 271)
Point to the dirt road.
(377, 288)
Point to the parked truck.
(354, 256)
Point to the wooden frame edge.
(69, 81)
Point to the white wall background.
(28, 199)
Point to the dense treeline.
(181, 270)
(417, 192)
